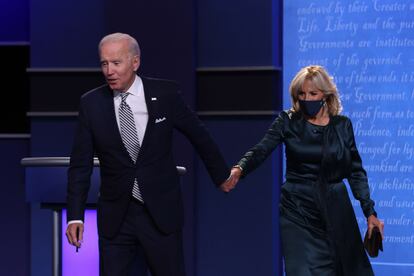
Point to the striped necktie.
(129, 137)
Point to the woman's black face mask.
(311, 108)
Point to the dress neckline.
(316, 125)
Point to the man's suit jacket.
(98, 134)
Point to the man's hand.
(74, 233)
(372, 222)
(231, 182)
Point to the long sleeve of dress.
(258, 154)
(358, 178)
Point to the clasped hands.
(232, 180)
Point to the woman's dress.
(320, 235)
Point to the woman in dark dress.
(320, 235)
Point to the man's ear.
(136, 62)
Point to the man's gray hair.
(114, 37)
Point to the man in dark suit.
(128, 124)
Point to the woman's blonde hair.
(322, 81)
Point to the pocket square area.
(159, 120)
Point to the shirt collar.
(135, 88)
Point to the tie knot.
(124, 95)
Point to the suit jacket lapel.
(108, 109)
(151, 107)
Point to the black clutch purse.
(374, 244)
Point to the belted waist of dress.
(310, 182)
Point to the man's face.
(118, 65)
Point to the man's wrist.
(238, 167)
(75, 221)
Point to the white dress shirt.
(136, 100)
